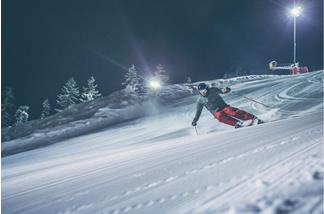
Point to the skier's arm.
(198, 113)
(226, 90)
(221, 90)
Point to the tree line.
(134, 84)
(70, 95)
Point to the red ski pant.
(230, 115)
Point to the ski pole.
(248, 98)
(196, 130)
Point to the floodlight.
(296, 11)
(155, 84)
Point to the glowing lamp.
(155, 84)
(296, 11)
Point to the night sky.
(44, 42)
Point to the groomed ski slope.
(157, 164)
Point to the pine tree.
(7, 107)
(90, 93)
(46, 109)
(133, 83)
(70, 94)
(161, 74)
(22, 115)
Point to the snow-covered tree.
(133, 83)
(22, 115)
(161, 74)
(188, 80)
(7, 107)
(46, 109)
(90, 92)
(70, 94)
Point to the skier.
(223, 112)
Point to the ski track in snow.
(146, 167)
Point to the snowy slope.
(157, 164)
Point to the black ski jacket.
(213, 102)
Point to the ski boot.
(245, 123)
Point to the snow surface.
(153, 161)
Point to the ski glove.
(226, 90)
(194, 123)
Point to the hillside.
(150, 160)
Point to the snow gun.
(293, 68)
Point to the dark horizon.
(44, 43)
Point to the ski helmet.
(202, 86)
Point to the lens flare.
(155, 84)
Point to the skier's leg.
(238, 113)
(222, 117)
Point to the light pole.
(294, 68)
(295, 12)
